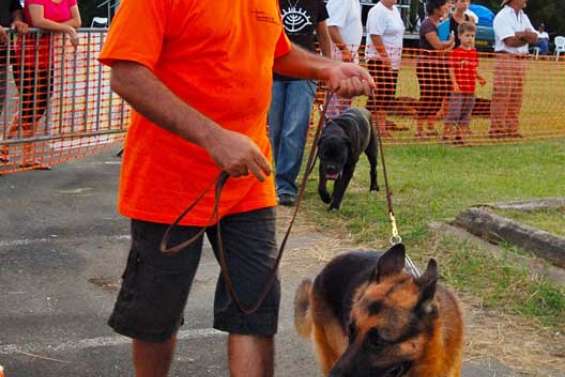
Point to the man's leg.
(250, 356)
(250, 256)
(500, 94)
(154, 290)
(299, 99)
(515, 99)
(152, 359)
(276, 116)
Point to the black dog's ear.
(428, 282)
(391, 263)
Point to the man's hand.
(20, 27)
(481, 81)
(531, 36)
(237, 154)
(456, 88)
(348, 80)
(3, 36)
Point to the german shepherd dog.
(343, 140)
(367, 317)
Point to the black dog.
(341, 143)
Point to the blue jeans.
(289, 118)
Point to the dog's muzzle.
(398, 370)
(332, 175)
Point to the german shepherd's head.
(391, 320)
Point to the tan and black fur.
(367, 317)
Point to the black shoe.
(287, 200)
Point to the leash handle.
(270, 281)
(220, 183)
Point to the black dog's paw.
(325, 196)
(333, 207)
(374, 188)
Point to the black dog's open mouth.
(332, 176)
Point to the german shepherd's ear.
(391, 263)
(427, 283)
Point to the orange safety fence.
(57, 103)
(522, 99)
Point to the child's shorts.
(460, 108)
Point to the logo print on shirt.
(295, 20)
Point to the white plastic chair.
(536, 50)
(99, 22)
(559, 46)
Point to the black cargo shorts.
(155, 286)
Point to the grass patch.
(501, 283)
(550, 220)
(434, 183)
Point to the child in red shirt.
(463, 64)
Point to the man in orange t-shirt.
(198, 76)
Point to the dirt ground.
(520, 344)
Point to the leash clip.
(395, 239)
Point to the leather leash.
(219, 185)
(395, 239)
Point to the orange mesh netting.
(523, 99)
(58, 105)
(57, 101)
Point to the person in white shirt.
(385, 29)
(513, 33)
(346, 27)
(346, 31)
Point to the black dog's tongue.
(332, 177)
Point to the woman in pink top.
(33, 71)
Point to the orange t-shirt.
(218, 57)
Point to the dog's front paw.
(325, 196)
(333, 207)
(374, 188)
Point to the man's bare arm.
(345, 78)
(232, 151)
(337, 39)
(324, 39)
(519, 39)
(380, 47)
